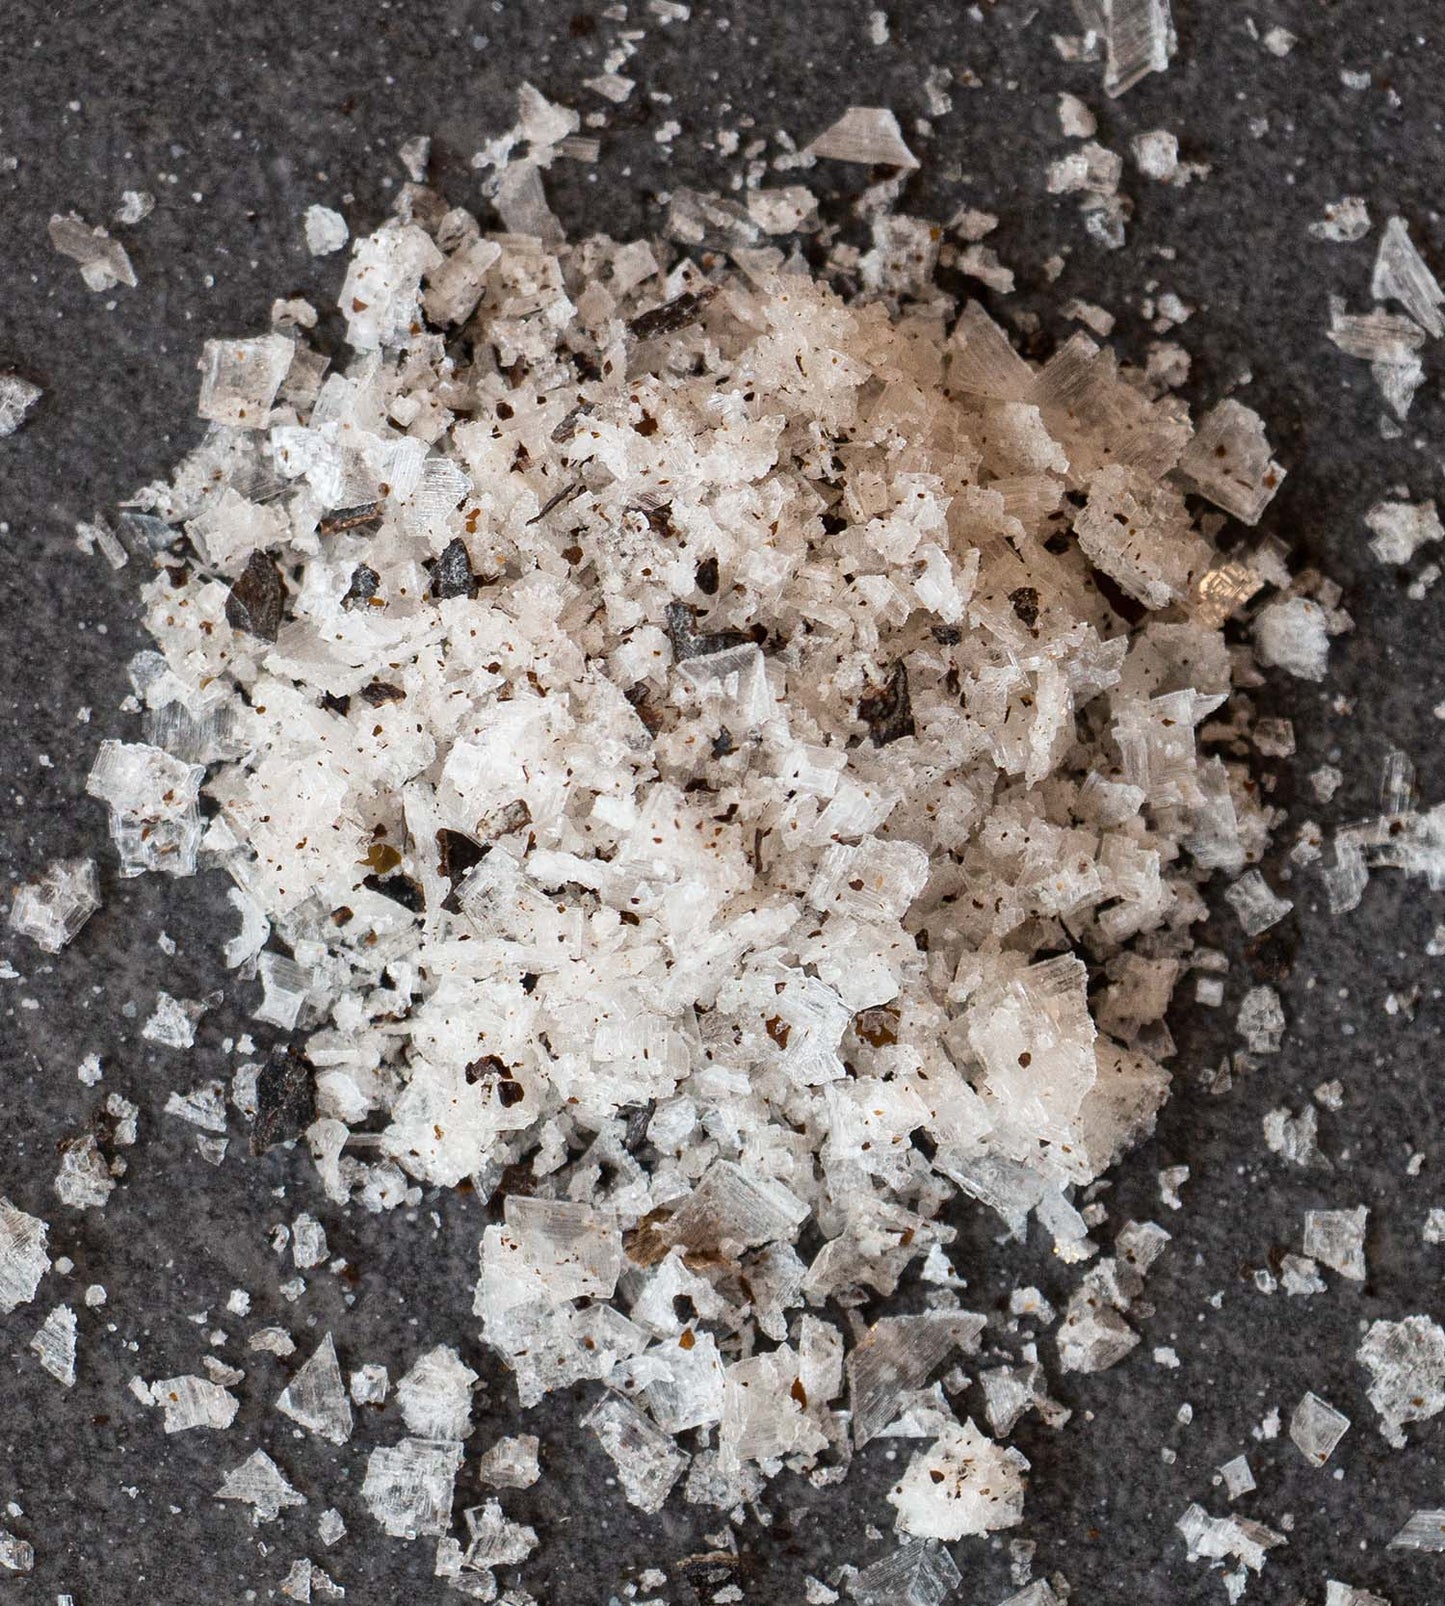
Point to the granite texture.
(237, 118)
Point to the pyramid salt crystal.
(23, 1260)
(17, 397)
(316, 1396)
(330, 1526)
(1400, 529)
(259, 1483)
(1316, 1428)
(1293, 635)
(1228, 461)
(54, 1344)
(1401, 275)
(510, 1463)
(1255, 905)
(1138, 40)
(240, 378)
(204, 1106)
(51, 909)
(1424, 1530)
(1344, 222)
(919, 1573)
(867, 135)
(435, 1396)
(1336, 1238)
(103, 261)
(963, 1484)
(897, 1355)
(1221, 1538)
(326, 230)
(1238, 1478)
(194, 1402)
(284, 985)
(1406, 1363)
(494, 1541)
(550, 1250)
(648, 1463)
(408, 1486)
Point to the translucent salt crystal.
(1138, 39)
(308, 1242)
(648, 1462)
(435, 1396)
(285, 985)
(963, 1484)
(731, 1210)
(240, 378)
(1401, 275)
(316, 1396)
(1294, 1137)
(326, 230)
(408, 1486)
(193, 1402)
(1255, 904)
(510, 1463)
(1406, 1363)
(919, 1573)
(231, 527)
(1400, 529)
(51, 909)
(1338, 1594)
(1375, 337)
(1433, 1231)
(1424, 1530)
(330, 1526)
(135, 207)
(17, 397)
(1075, 118)
(1092, 1336)
(867, 135)
(154, 806)
(896, 1355)
(23, 1260)
(983, 362)
(173, 1021)
(1217, 1538)
(54, 1344)
(307, 1582)
(1292, 634)
(83, 1181)
(1299, 1277)
(103, 261)
(259, 1483)
(1228, 461)
(380, 298)
(1344, 222)
(1037, 1593)
(16, 1555)
(1337, 1239)
(1316, 1428)
(370, 1384)
(1238, 1479)
(494, 1541)
(1157, 154)
(204, 1106)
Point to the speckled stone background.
(237, 117)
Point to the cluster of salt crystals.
(1400, 837)
(52, 908)
(1219, 1540)
(1406, 1363)
(674, 731)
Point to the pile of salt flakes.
(718, 768)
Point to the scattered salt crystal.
(240, 378)
(1215, 1538)
(1294, 1137)
(135, 207)
(1406, 1362)
(316, 1396)
(55, 1345)
(1425, 1530)
(408, 1486)
(330, 1526)
(1238, 1478)
(510, 1463)
(867, 135)
(326, 230)
(1278, 41)
(369, 1384)
(1228, 461)
(1255, 904)
(1400, 529)
(84, 1180)
(103, 261)
(1156, 154)
(173, 1023)
(1337, 1239)
(1316, 1428)
(1075, 118)
(1261, 1020)
(308, 1242)
(435, 1396)
(203, 1106)
(273, 1341)
(259, 1483)
(16, 1555)
(919, 1572)
(1300, 1277)
(51, 909)
(963, 1484)
(193, 1402)
(1344, 222)
(1138, 39)
(1401, 275)
(23, 1260)
(17, 397)
(648, 1462)
(1292, 634)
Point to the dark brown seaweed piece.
(887, 710)
(671, 315)
(456, 854)
(257, 599)
(1026, 605)
(365, 582)
(285, 1099)
(380, 692)
(351, 518)
(707, 577)
(688, 643)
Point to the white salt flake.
(103, 261)
(963, 1484)
(1406, 1362)
(648, 1463)
(1401, 275)
(867, 135)
(259, 1483)
(17, 397)
(1255, 904)
(1400, 529)
(369, 1385)
(326, 230)
(23, 1260)
(435, 1396)
(193, 1402)
(920, 1572)
(54, 1344)
(1337, 1239)
(408, 1486)
(1238, 1478)
(510, 1463)
(52, 908)
(172, 1023)
(1344, 222)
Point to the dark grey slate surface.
(239, 117)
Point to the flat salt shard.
(194, 1402)
(510, 1463)
(380, 298)
(1255, 904)
(326, 230)
(408, 1486)
(1219, 1538)
(867, 135)
(1400, 529)
(370, 1384)
(963, 1484)
(436, 1395)
(1238, 1478)
(1092, 1336)
(1316, 1428)
(1292, 634)
(54, 1344)
(1336, 1238)
(284, 985)
(1228, 461)
(1406, 1362)
(895, 1356)
(1401, 275)
(1300, 1277)
(23, 1260)
(103, 261)
(1424, 1530)
(259, 1483)
(648, 1462)
(1294, 1137)
(240, 378)
(83, 1181)
(307, 1582)
(919, 1573)
(1344, 222)
(204, 1106)
(316, 1396)
(16, 1555)
(1138, 40)
(1433, 1231)
(172, 1022)
(731, 1210)
(17, 397)
(51, 909)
